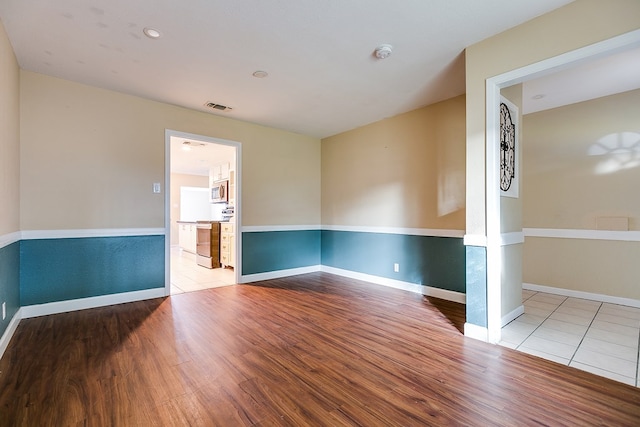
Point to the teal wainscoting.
(9, 282)
(65, 269)
(477, 285)
(438, 262)
(265, 251)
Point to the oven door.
(203, 239)
(208, 244)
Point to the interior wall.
(576, 25)
(9, 182)
(511, 219)
(582, 163)
(181, 180)
(89, 159)
(405, 171)
(393, 193)
(99, 153)
(9, 138)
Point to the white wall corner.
(8, 239)
(512, 315)
(476, 332)
(475, 240)
(8, 333)
(512, 238)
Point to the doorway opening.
(202, 212)
(495, 234)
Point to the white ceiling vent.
(218, 106)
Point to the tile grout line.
(541, 323)
(585, 334)
(601, 304)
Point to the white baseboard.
(398, 284)
(444, 294)
(510, 316)
(11, 329)
(277, 274)
(584, 295)
(476, 332)
(91, 302)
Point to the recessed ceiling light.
(152, 33)
(538, 96)
(188, 145)
(260, 74)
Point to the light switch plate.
(156, 187)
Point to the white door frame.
(493, 86)
(168, 133)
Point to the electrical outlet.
(4, 310)
(396, 267)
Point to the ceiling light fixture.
(383, 51)
(152, 33)
(260, 74)
(538, 96)
(187, 145)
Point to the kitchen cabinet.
(227, 245)
(218, 173)
(232, 187)
(187, 236)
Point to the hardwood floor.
(315, 349)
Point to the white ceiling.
(323, 77)
(615, 73)
(196, 157)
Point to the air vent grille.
(219, 107)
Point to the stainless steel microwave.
(220, 192)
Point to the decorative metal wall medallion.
(507, 148)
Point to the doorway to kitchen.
(202, 212)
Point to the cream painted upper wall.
(406, 171)
(582, 161)
(90, 157)
(576, 25)
(9, 137)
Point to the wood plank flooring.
(310, 350)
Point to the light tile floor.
(188, 276)
(600, 338)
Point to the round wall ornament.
(507, 148)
